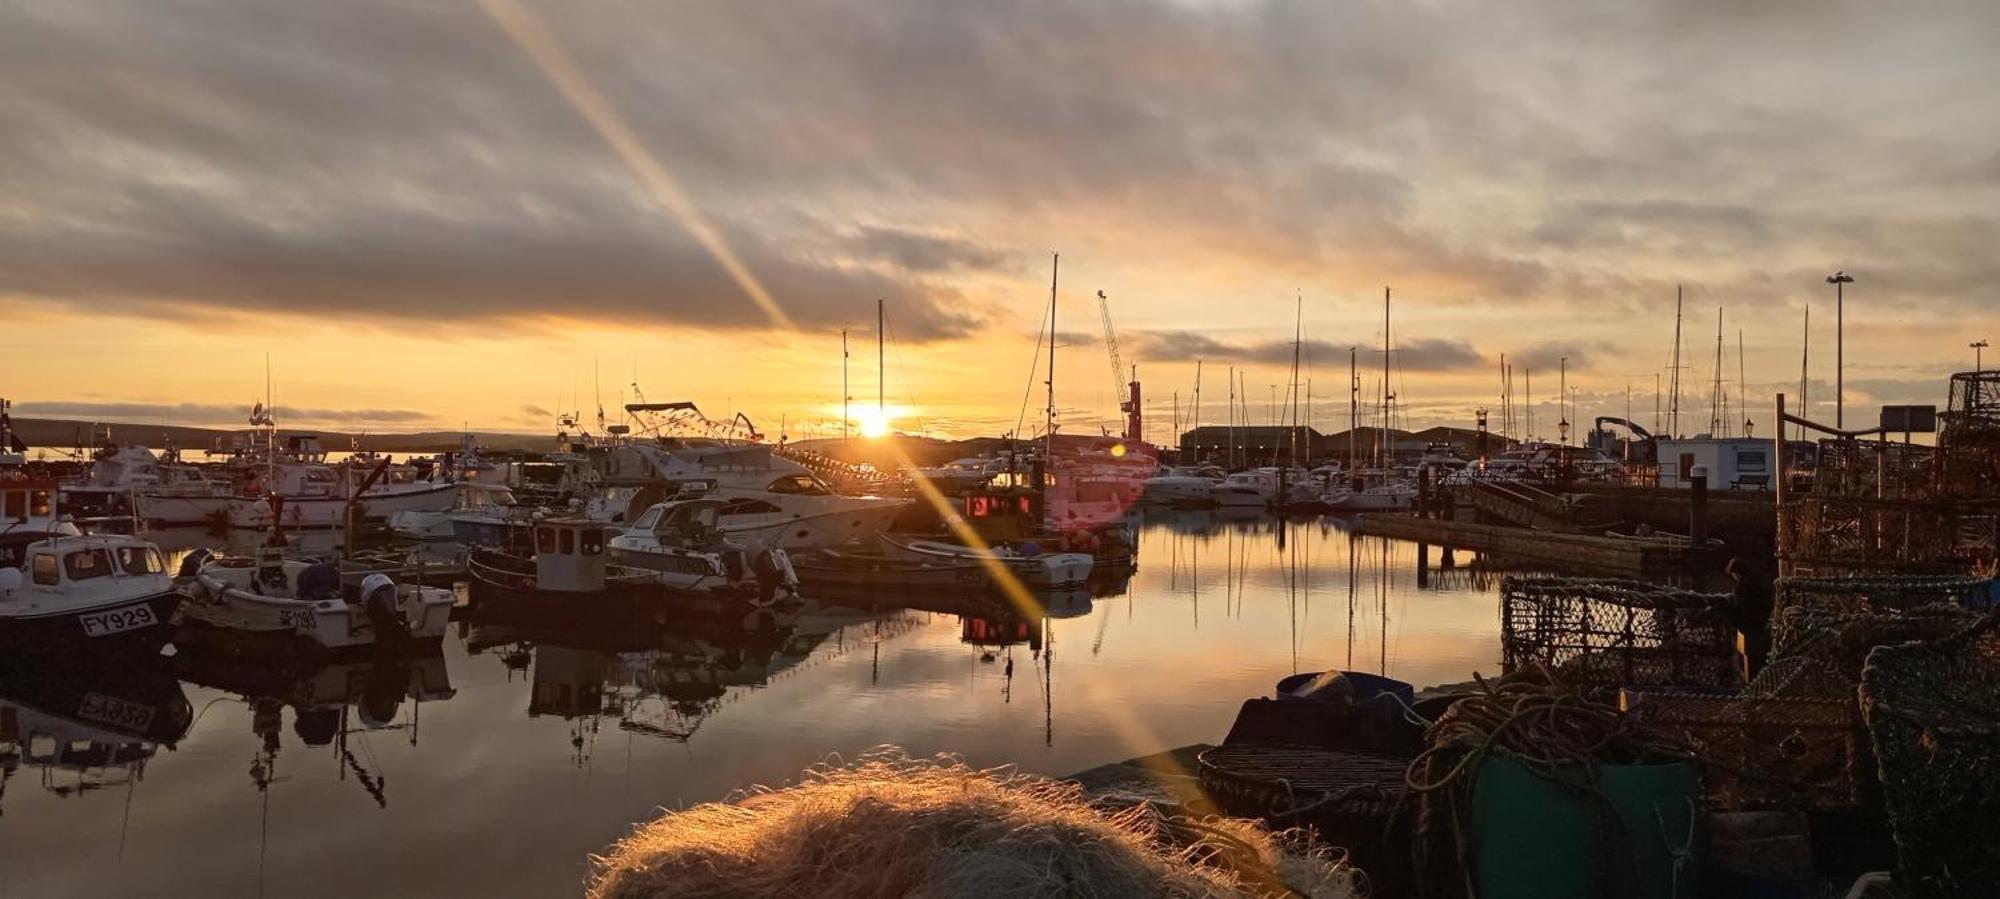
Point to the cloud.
(1434, 354)
(533, 411)
(1582, 355)
(925, 253)
(211, 414)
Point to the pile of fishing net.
(892, 826)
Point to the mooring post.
(1698, 507)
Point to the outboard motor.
(378, 599)
(773, 569)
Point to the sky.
(480, 214)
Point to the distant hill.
(60, 432)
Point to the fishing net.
(1610, 633)
(1933, 714)
(890, 825)
(1533, 717)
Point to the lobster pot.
(1818, 651)
(1760, 752)
(1933, 714)
(1351, 800)
(1614, 633)
(1888, 593)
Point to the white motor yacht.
(1184, 486)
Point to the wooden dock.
(1609, 555)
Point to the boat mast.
(846, 396)
(1674, 398)
(1231, 464)
(1353, 405)
(1055, 269)
(1805, 358)
(1382, 433)
(881, 391)
(1718, 400)
(1742, 388)
(1197, 406)
(1298, 339)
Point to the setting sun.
(873, 423)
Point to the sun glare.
(873, 423)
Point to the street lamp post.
(1978, 350)
(1839, 280)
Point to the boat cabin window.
(139, 560)
(45, 570)
(545, 540)
(566, 541)
(649, 520)
(592, 541)
(320, 476)
(747, 507)
(85, 564)
(17, 504)
(798, 484)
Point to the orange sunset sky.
(443, 214)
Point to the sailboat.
(1377, 490)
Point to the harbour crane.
(1128, 391)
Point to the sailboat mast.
(1805, 360)
(1197, 403)
(1674, 398)
(1382, 433)
(881, 389)
(1742, 388)
(846, 395)
(1719, 406)
(1353, 404)
(1298, 339)
(1055, 269)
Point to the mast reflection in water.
(536, 736)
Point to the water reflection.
(540, 733)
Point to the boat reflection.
(654, 671)
(88, 723)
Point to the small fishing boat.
(474, 499)
(1034, 569)
(683, 544)
(276, 595)
(102, 592)
(866, 571)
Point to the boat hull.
(331, 511)
(138, 625)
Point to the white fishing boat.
(91, 592)
(473, 498)
(275, 595)
(1036, 571)
(960, 475)
(299, 490)
(683, 544)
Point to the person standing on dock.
(1750, 612)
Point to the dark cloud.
(1436, 354)
(1581, 355)
(926, 253)
(403, 161)
(212, 414)
(1423, 355)
(533, 411)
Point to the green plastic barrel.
(1626, 832)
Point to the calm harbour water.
(525, 759)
